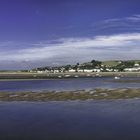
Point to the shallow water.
(66, 84)
(71, 120)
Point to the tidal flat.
(97, 94)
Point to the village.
(93, 66)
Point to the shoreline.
(95, 94)
(44, 76)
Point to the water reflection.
(73, 120)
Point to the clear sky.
(55, 32)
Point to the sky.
(35, 33)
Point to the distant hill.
(112, 63)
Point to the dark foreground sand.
(71, 95)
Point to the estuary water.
(67, 84)
(70, 120)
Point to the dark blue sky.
(27, 25)
(29, 20)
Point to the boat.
(116, 77)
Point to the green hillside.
(110, 63)
(116, 62)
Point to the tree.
(67, 67)
(93, 61)
(96, 63)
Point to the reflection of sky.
(39, 32)
(95, 120)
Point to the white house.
(109, 69)
(80, 70)
(136, 65)
(71, 70)
(46, 71)
(56, 71)
(132, 69)
(97, 70)
(43, 71)
(88, 70)
(116, 70)
(39, 71)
